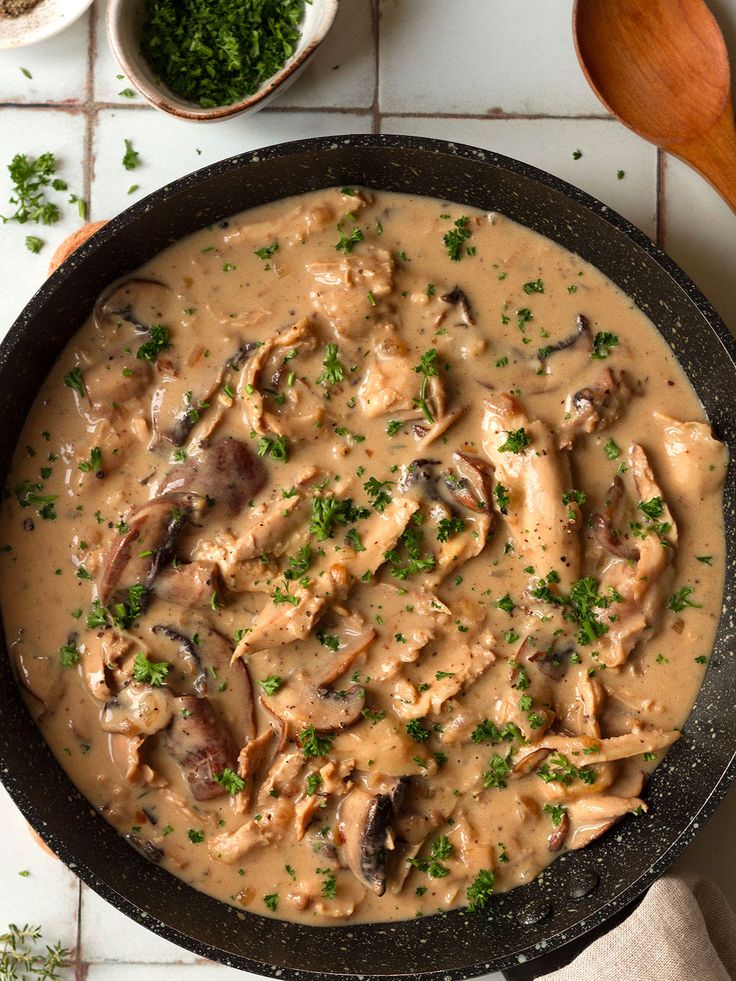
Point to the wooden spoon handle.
(713, 154)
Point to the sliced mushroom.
(300, 704)
(470, 482)
(602, 524)
(188, 655)
(456, 297)
(226, 472)
(138, 710)
(418, 475)
(148, 545)
(151, 851)
(116, 380)
(200, 746)
(582, 330)
(189, 585)
(364, 824)
(550, 654)
(594, 408)
(137, 301)
(559, 836)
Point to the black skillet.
(582, 889)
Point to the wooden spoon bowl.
(661, 67)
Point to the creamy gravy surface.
(362, 554)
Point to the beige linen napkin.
(683, 930)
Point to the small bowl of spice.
(25, 22)
(215, 59)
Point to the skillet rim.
(355, 142)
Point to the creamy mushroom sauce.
(361, 551)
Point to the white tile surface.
(34, 131)
(58, 66)
(108, 935)
(481, 57)
(169, 147)
(205, 971)
(107, 85)
(343, 71)
(700, 234)
(549, 143)
(48, 896)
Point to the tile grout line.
(661, 211)
(90, 111)
(375, 107)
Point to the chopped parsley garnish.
(506, 604)
(427, 367)
(442, 849)
(313, 743)
(705, 559)
(314, 782)
(158, 341)
(331, 641)
(195, 835)
(652, 509)
(34, 244)
(453, 240)
(29, 178)
(417, 731)
(516, 441)
(560, 770)
(347, 242)
(94, 463)
(271, 901)
(231, 781)
(69, 655)
(502, 498)
(499, 768)
(680, 600)
(603, 344)
(556, 813)
(270, 684)
(480, 890)
(267, 250)
(299, 563)
(612, 449)
(73, 379)
(150, 672)
(333, 369)
(28, 495)
(447, 527)
(124, 614)
(130, 157)
(274, 446)
(284, 596)
(378, 491)
(411, 540)
(353, 540)
(329, 884)
(327, 512)
(393, 427)
(536, 286)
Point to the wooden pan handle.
(72, 242)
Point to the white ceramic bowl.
(125, 20)
(44, 20)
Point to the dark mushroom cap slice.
(299, 703)
(226, 472)
(135, 300)
(200, 745)
(148, 545)
(364, 823)
(188, 655)
(470, 482)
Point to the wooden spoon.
(661, 67)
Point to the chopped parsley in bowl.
(211, 59)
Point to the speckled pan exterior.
(580, 890)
